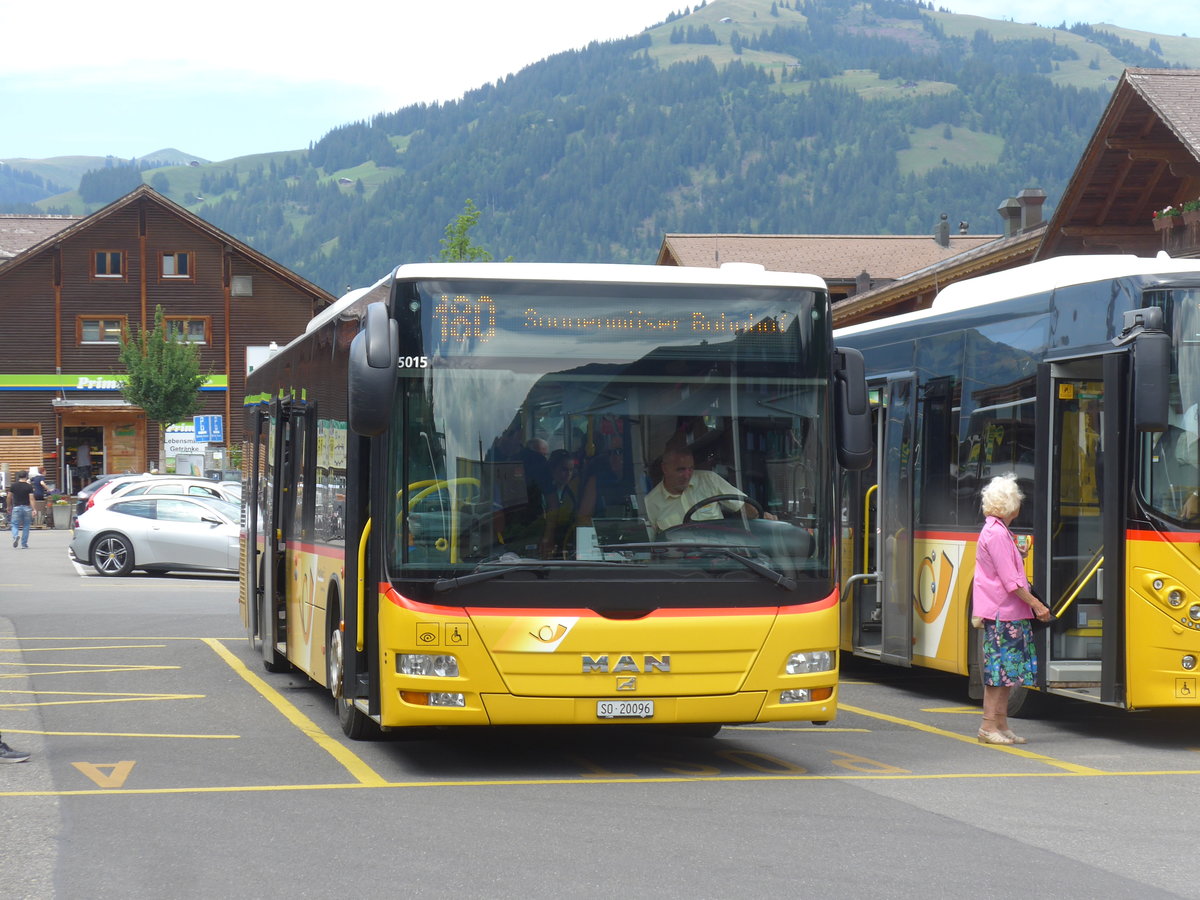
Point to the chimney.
(941, 232)
(1031, 200)
(862, 282)
(1010, 212)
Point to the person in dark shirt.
(20, 505)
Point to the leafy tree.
(457, 245)
(164, 375)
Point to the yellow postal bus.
(446, 484)
(1081, 375)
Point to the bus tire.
(355, 724)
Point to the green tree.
(164, 375)
(457, 245)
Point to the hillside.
(827, 116)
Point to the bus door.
(883, 607)
(1080, 526)
(276, 493)
(253, 512)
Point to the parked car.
(162, 484)
(158, 534)
(171, 484)
(86, 492)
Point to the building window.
(176, 264)
(191, 329)
(241, 286)
(19, 430)
(109, 264)
(98, 330)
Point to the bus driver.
(683, 486)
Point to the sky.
(231, 78)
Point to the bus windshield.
(1171, 459)
(533, 424)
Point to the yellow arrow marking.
(117, 772)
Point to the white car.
(167, 485)
(158, 533)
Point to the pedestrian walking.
(20, 506)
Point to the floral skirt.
(1008, 654)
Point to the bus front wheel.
(356, 725)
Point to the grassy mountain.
(761, 116)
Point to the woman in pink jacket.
(1001, 597)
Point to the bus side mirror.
(1151, 366)
(371, 371)
(852, 411)
(1151, 380)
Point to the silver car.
(158, 534)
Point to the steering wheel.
(717, 498)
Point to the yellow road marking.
(74, 649)
(941, 732)
(814, 729)
(542, 782)
(353, 764)
(125, 734)
(77, 669)
(964, 710)
(115, 777)
(104, 698)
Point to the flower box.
(1162, 223)
(1190, 216)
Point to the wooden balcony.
(1183, 240)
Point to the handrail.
(359, 641)
(1081, 583)
(866, 563)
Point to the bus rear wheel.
(356, 725)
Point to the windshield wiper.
(773, 576)
(509, 563)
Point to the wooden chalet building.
(69, 292)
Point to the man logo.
(626, 663)
(627, 684)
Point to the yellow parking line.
(124, 734)
(353, 764)
(941, 732)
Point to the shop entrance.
(84, 455)
(97, 440)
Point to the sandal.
(993, 737)
(1015, 738)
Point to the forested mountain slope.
(826, 116)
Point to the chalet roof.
(834, 257)
(1143, 156)
(18, 233)
(145, 193)
(917, 289)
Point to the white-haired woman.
(1001, 597)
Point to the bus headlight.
(1175, 597)
(1188, 662)
(440, 666)
(811, 661)
(1194, 612)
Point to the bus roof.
(1022, 281)
(730, 273)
